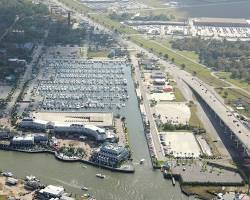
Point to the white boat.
(84, 188)
(7, 174)
(100, 176)
(142, 161)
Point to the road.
(8, 29)
(153, 128)
(212, 98)
(26, 77)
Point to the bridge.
(233, 127)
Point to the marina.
(82, 85)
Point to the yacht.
(100, 176)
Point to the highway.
(205, 91)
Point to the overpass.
(233, 127)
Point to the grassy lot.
(76, 5)
(194, 119)
(178, 95)
(230, 95)
(3, 197)
(112, 24)
(190, 54)
(240, 83)
(201, 72)
(93, 54)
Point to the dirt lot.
(17, 191)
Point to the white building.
(51, 191)
(89, 130)
(27, 140)
(33, 123)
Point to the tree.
(166, 56)
(183, 66)
(194, 73)
(172, 60)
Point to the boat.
(84, 188)
(173, 181)
(83, 166)
(100, 176)
(31, 178)
(7, 174)
(142, 161)
(86, 195)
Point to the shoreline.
(129, 169)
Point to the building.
(50, 192)
(158, 75)
(159, 81)
(30, 123)
(220, 22)
(23, 141)
(78, 128)
(111, 154)
(41, 138)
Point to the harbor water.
(214, 8)
(144, 184)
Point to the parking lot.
(174, 113)
(180, 144)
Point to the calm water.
(215, 8)
(144, 184)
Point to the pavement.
(210, 97)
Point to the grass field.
(230, 95)
(191, 66)
(93, 54)
(3, 197)
(190, 54)
(178, 95)
(240, 83)
(194, 119)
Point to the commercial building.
(100, 119)
(159, 81)
(50, 192)
(79, 128)
(158, 74)
(23, 141)
(221, 22)
(111, 154)
(41, 138)
(33, 123)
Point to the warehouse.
(221, 22)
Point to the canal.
(144, 184)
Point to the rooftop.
(96, 119)
(221, 20)
(53, 190)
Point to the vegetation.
(223, 55)
(236, 98)
(72, 151)
(190, 65)
(61, 33)
(194, 119)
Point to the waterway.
(144, 184)
(214, 8)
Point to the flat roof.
(54, 190)
(104, 119)
(220, 20)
